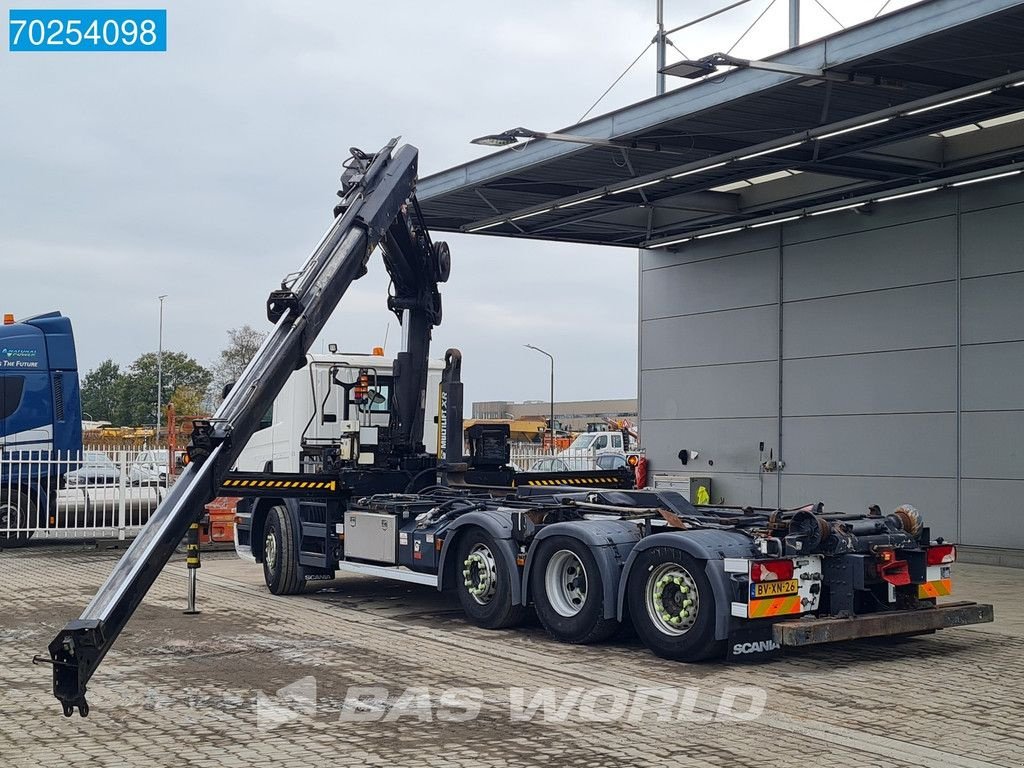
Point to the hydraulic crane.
(378, 208)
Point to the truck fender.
(499, 526)
(610, 541)
(711, 546)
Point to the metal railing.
(102, 492)
(534, 458)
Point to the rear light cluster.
(771, 570)
(942, 554)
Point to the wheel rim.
(270, 551)
(565, 583)
(672, 599)
(480, 574)
(9, 519)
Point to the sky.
(208, 172)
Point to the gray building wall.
(880, 355)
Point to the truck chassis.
(695, 582)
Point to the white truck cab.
(312, 411)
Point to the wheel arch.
(610, 542)
(260, 508)
(709, 546)
(496, 524)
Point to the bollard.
(193, 565)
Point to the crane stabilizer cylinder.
(376, 190)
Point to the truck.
(40, 419)
(587, 447)
(695, 583)
(310, 411)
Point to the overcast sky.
(208, 172)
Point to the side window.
(380, 404)
(616, 441)
(600, 442)
(11, 389)
(267, 420)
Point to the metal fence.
(102, 492)
(527, 457)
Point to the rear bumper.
(813, 631)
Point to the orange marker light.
(378, 351)
(8, 318)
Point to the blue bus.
(40, 417)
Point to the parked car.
(97, 469)
(148, 468)
(549, 465)
(611, 461)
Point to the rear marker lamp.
(941, 555)
(771, 570)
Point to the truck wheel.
(485, 589)
(568, 591)
(16, 510)
(281, 554)
(672, 605)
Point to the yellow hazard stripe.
(773, 606)
(322, 485)
(940, 588)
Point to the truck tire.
(16, 510)
(281, 553)
(568, 591)
(672, 605)
(485, 589)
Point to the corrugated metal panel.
(870, 384)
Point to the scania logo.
(761, 646)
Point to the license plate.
(774, 588)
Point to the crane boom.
(378, 207)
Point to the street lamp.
(160, 368)
(551, 425)
(513, 135)
(694, 69)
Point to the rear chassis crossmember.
(815, 631)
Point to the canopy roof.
(924, 97)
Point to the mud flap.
(752, 644)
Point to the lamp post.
(160, 368)
(551, 424)
(513, 135)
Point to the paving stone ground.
(264, 680)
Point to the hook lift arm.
(378, 207)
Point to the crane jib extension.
(377, 207)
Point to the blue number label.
(87, 30)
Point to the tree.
(138, 394)
(188, 402)
(242, 346)
(101, 392)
